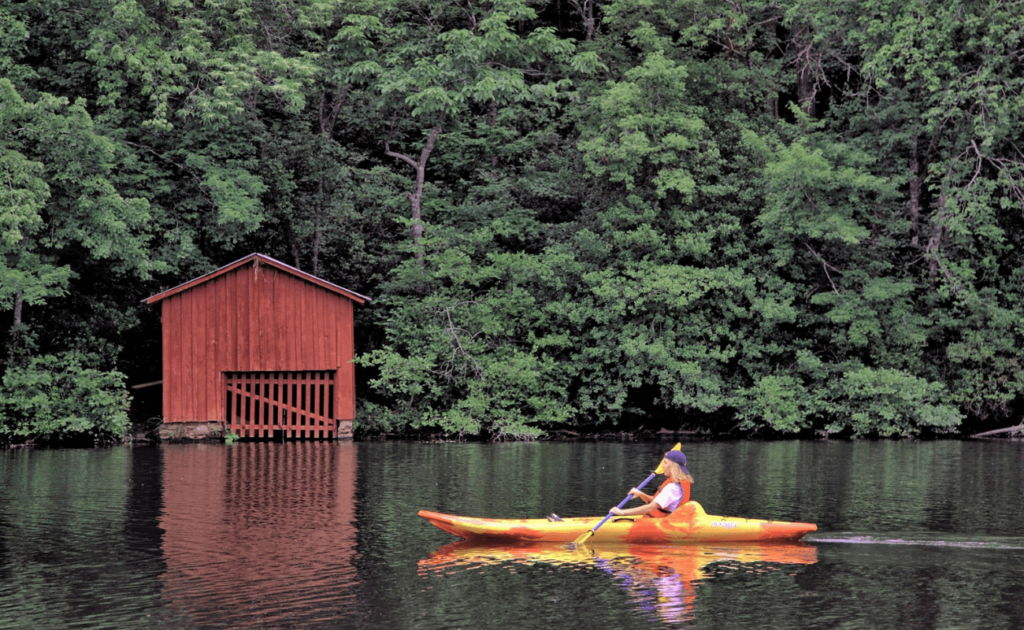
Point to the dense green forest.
(798, 218)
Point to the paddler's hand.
(616, 511)
(636, 494)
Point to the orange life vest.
(660, 512)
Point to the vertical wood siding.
(252, 319)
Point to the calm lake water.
(325, 535)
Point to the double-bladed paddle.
(585, 536)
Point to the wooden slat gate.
(298, 404)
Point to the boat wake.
(918, 540)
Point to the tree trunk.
(416, 197)
(18, 300)
(494, 121)
(806, 91)
(935, 241)
(14, 341)
(1019, 428)
(916, 183)
(316, 251)
(317, 226)
(293, 246)
(329, 114)
(591, 25)
(585, 9)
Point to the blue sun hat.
(678, 458)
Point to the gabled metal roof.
(263, 259)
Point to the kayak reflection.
(660, 579)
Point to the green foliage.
(479, 343)
(790, 218)
(58, 397)
(779, 402)
(649, 129)
(887, 402)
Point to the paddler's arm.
(643, 496)
(637, 511)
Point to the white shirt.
(669, 498)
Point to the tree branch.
(826, 267)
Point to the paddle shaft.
(624, 502)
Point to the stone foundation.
(214, 431)
(191, 431)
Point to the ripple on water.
(310, 536)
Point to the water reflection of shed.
(259, 535)
(261, 348)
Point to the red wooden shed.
(260, 348)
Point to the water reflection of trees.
(659, 580)
(75, 530)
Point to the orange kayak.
(688, 524)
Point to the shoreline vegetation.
(1012, 433)
(788, 219)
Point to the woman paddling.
(673, 493)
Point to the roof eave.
(352, 295)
